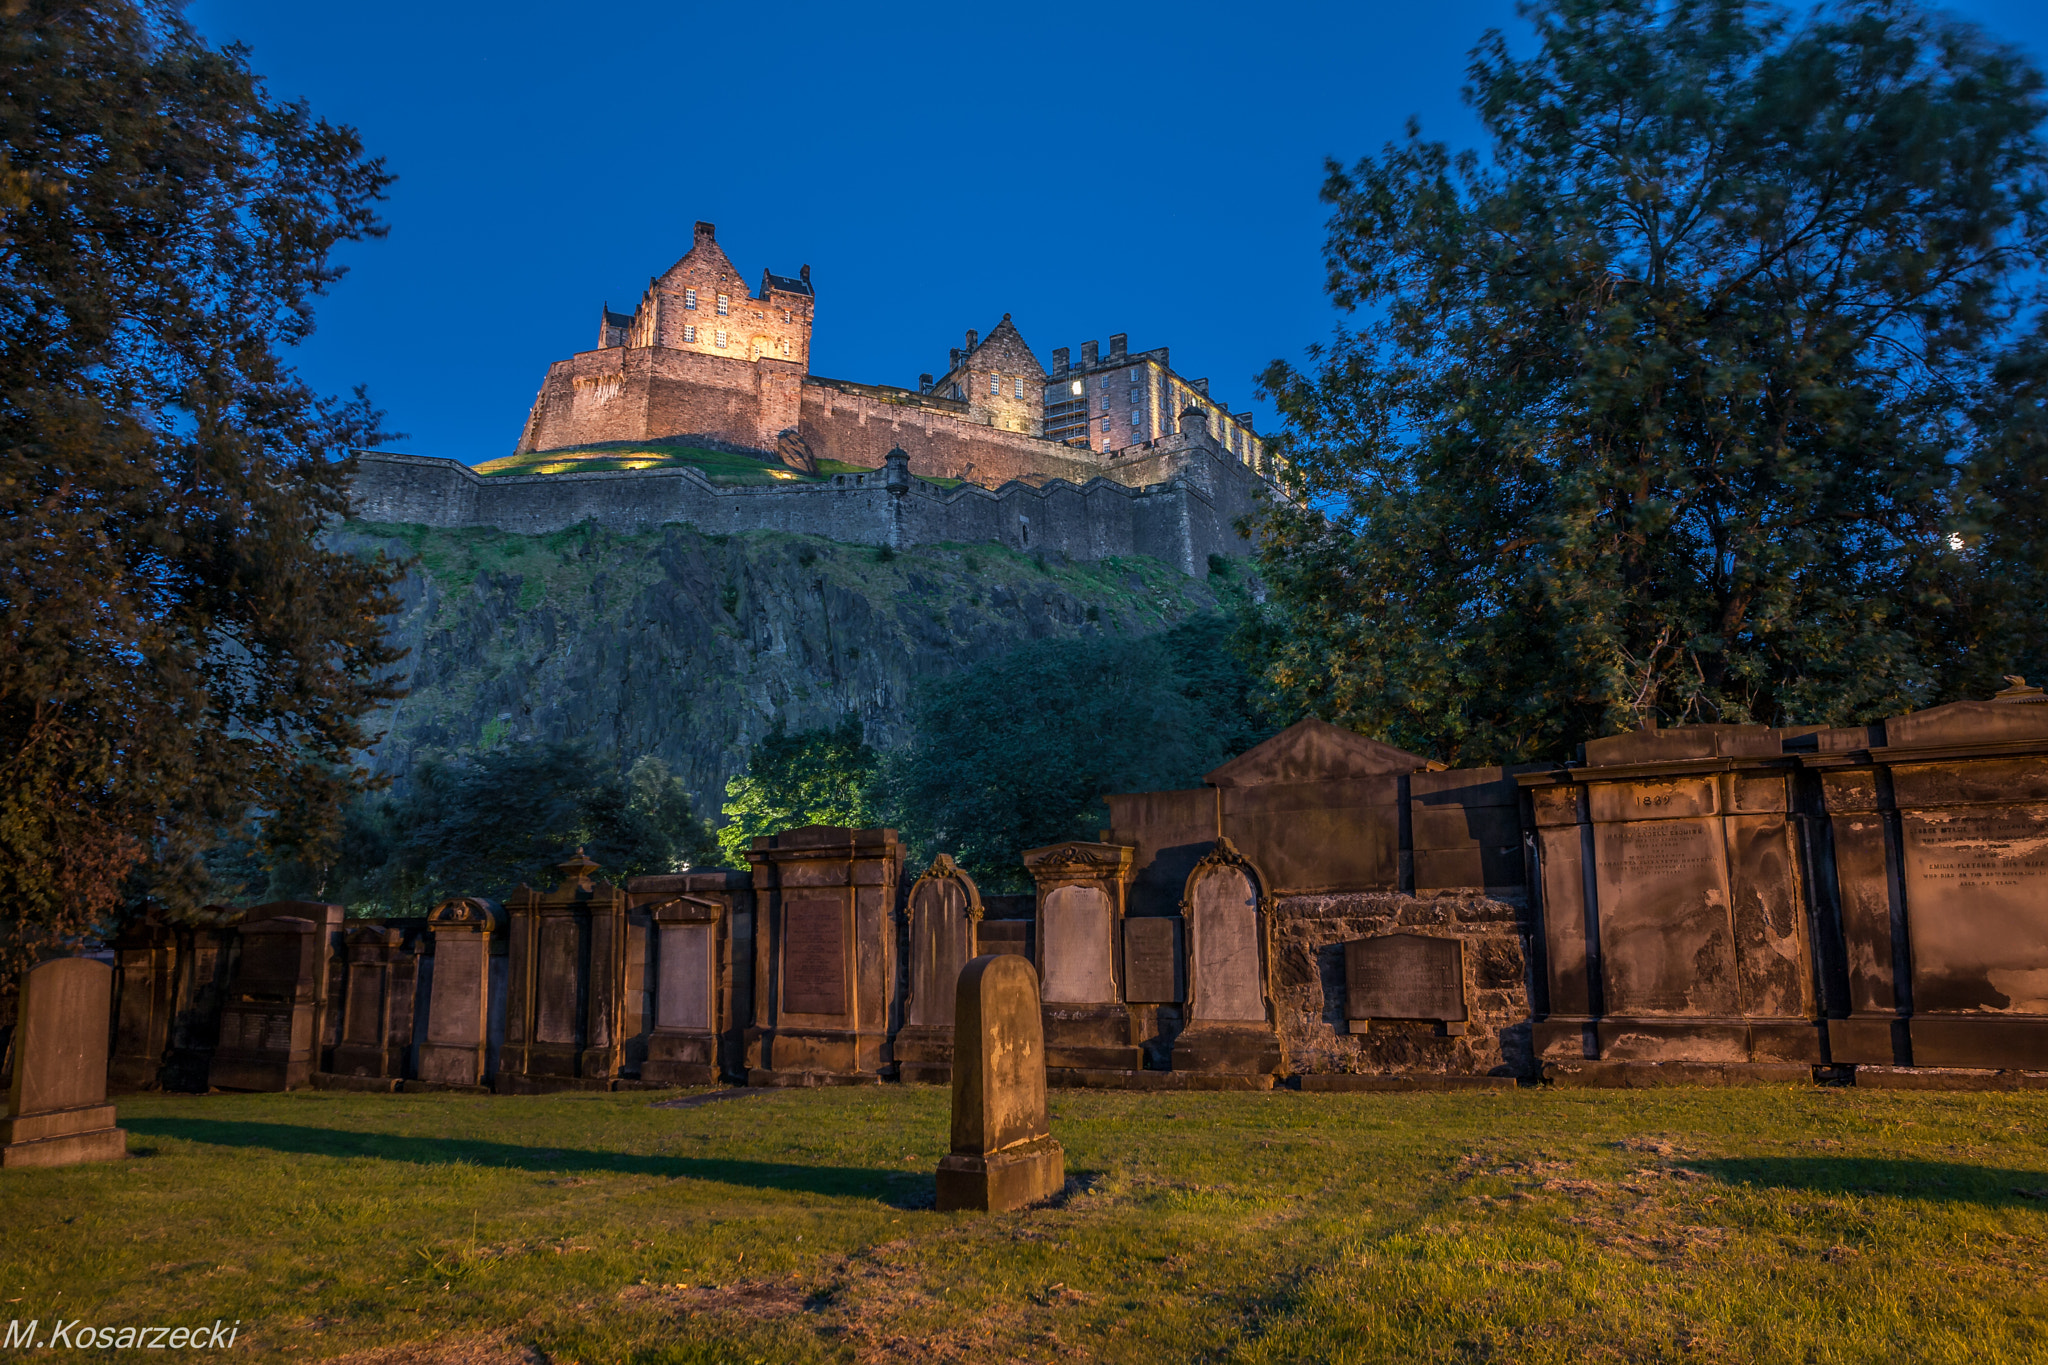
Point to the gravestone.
(377, 1001)
(57, 1110)
(146, 982)
(826, 997)
(330, 969)
(1690, 940)
(701, 930)
(267, 1038)
(1230, 1028)
(1400, 976)
(469, 941)
(1939, 824)
(1004, 1155)
(945, 912)
(1152, 960)
(205, 964)
(1081, 889)
(566, 984)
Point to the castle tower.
(702, 304)
(1000, 380)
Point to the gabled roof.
(1012, 340)
(1315, 751)
(706, 253)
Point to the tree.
(1018, 752)
(812, 777)
(178, 654)
(1663, 410)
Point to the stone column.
(565, 1015)
(825, 989)
(945, 912)
(1081, 891)
(57, 1110)
(1230, 1028)
(468, 932)
(1004, 1155)
(267, 1039)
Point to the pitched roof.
(1315, 751)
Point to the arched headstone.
(945, 908)
(1230, 1015)
(1081, 893)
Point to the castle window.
(995, 386)
(785, 345)
(1020, 388)
(1136, 417)
(721, 338)
(724, 304)
(689, 298)
(689, 331)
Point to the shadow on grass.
(898, 1189)
(1940, 1181)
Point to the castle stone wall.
(844, 423)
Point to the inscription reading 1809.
(814, 958)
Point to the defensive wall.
(1182, 518)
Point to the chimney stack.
(956, 357)
(706, 232)
(1089, 351)
(972, 337)
(1117, 343)
(924, 383)
(1059, 361)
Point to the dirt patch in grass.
(485, 1348)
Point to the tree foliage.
(812, 777)
(177, 652)
(1687, 401)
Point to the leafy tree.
(812, 777)
(1661, 410)
(484, 823)
(1018, 752)
(176, 648)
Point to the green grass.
(719, 466)
(1771, 1224)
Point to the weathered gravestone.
(146, 982)
(825, 989)
(205, 965)
(377, 1002)
(330, 967)
(701, 929)
(1004, 1155)
(1405, 977)
(267, 1038)
(57, 1110)
(945, 912)
(1939, 824)
(1230, 1028)
(1081, 889)
(565, 992)
(469, 950)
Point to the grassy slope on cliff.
(1794, 1224)
(689, 646)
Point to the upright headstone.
(377, 1004)
(1004, 1155)
(825, 990)
(701, 940)
(1230, 1028)
(267, 1039)
(565, 998)
(205, 965)
(469, 937)
(945, 911)
(1081, 891)
(57, 1110)
(330, 970)
(145, 979)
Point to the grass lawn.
(1767, 1224)
(719, 466)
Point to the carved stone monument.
(330, 967)
(1230, 1028)
(205, 963)
(945, 914)
(1405, 977)
(57, 1110)
(377, 1003)
(146, 979)
(267, 1024)
(469, 941)
(1004, 1155)
(1081, 889)
(701, 926)
(565, 1008)
(825, 989)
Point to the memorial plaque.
(814, 957)
(1077, 946)
(1977, 888)
(686, 970)
(1228, 975)
(1405, 976)
(1664, 931)
(1152, 958)
(455, 1011)
(939, 948)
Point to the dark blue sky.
(1149, 169)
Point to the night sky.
(1149, 169)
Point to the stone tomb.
(146, 982)
(945, 914)
(1939, 822)
(377, 1005)
(1081, 889)
(700, 926)
(268, 1022)
(565, 989)
(1230, 1028)
(1407, 977)
(330, 967)
(205, 965)
(1004, 1155)
(57, 1110)
(1690, 939)
(469, 952)
(825, 987)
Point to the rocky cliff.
(690, 646)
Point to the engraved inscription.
(814, 957)
(1665, 939)
(1977, 908)
(1404, 976)
(1152, 961)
